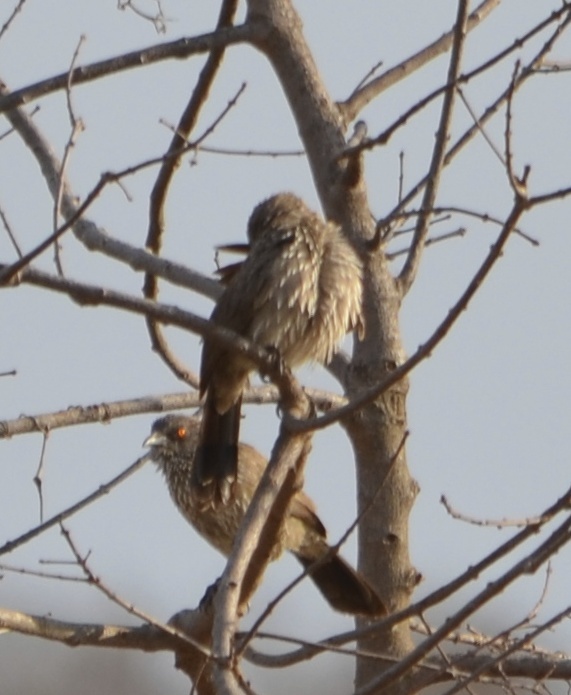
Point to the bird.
(173, 443)
(298, 292)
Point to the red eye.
(181, 432)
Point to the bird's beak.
(154, 439)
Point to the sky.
(487, 412)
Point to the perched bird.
(173, 443)
(298, 291)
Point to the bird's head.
(173, 435)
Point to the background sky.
(488, 412)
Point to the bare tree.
(423, 641)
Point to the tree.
(462, 110)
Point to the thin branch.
(363, 95)
(412, 263)
(93, 295)
(10, 272)
(496, 523)
(480, 127)
(308, 651)
(430, 241)
(95, 581)
(516, 45)
(442, 593)
(529, 564)
(165, 176)
(103, 413)
(497, 663)
(527, 72)
(229, 152)
(41, 574)
(38, 476)
(76, 127)
(10, 233)
(179, 49)
(454, 209)
(74, 508)
(425, 350)
(12, 17)
(498, 644)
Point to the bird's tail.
(343, 588)
(216, 463)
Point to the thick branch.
(179, 49)
(146, 637)
(258, 532)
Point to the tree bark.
(377, 431)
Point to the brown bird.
(299, 291)
(173, 442)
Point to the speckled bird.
(173, 443)
(298, 291)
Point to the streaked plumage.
(173, 442)
(299, 290)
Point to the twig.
(362, 95)
(501, 523)
(500, 660)
(445, 210)
(410, 268)
(8, 273)
(42, 575)
(516, 45)
(93, 295)
(460, 232)
(480, 127)
(363, 81)
(494, 107)
(529, 564)
(10, 233)
(12, 17)
(126, 605)
(38, 476)
(87, 231)
(229, 152)
(159, 21)
(74, 508)
(502, 640)
(76, 128)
